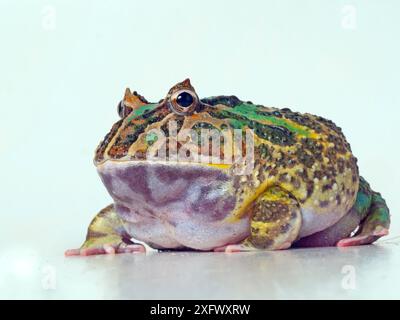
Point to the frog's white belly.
(188, 234)
(169, 207)
(173, 207)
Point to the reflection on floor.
(321, 273)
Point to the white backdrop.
(65, 64)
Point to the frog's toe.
(231, 248)
(87, 251)
(72, 252)
(363, 239)
(106, 249)
(131, 248)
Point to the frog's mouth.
(170, 191)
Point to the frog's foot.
(106, 249)
(106, 235)
(245, 247)
(373, 226)
(231, 248)
(275, 223)
(369, 213)
(362, 239)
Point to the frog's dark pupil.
(184, 99)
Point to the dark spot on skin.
(305, 158)
(149, 114)
(313, 147)
(326, 187)
(141, 98)
(340, 144)
(285, 228)
(275, 134)
(309, 188)
(318, 174)
(323, 204)
(341, 165)
(284, 177)
(273, 172)
(302, 174)
(204, 125)
(230, 101)
(296, 183)
(264, 151)
(330, 125)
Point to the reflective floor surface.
(322, 273)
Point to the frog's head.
(171, 127)
(175, 189)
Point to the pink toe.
(233, 248)
(109, 249)
(219, 249)
(348, 242)
(132, 248)
(72, 252)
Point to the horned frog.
(303, 188)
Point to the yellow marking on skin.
(296, 126)
(263, 227)
(241, 211)
(222, 166)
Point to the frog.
(301, 186)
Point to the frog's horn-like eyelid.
(186, 82)
(128, 93)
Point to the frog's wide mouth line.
(125, 162)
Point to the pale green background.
(64, 65)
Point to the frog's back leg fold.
(373, 226)
(106, 234)
(369, 213)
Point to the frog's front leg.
(275, 223)
(106, 235)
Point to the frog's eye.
(184, 102)
(123, 110)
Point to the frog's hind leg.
(369, 213)
(106, 235)
(275, 223)
(374, 224)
